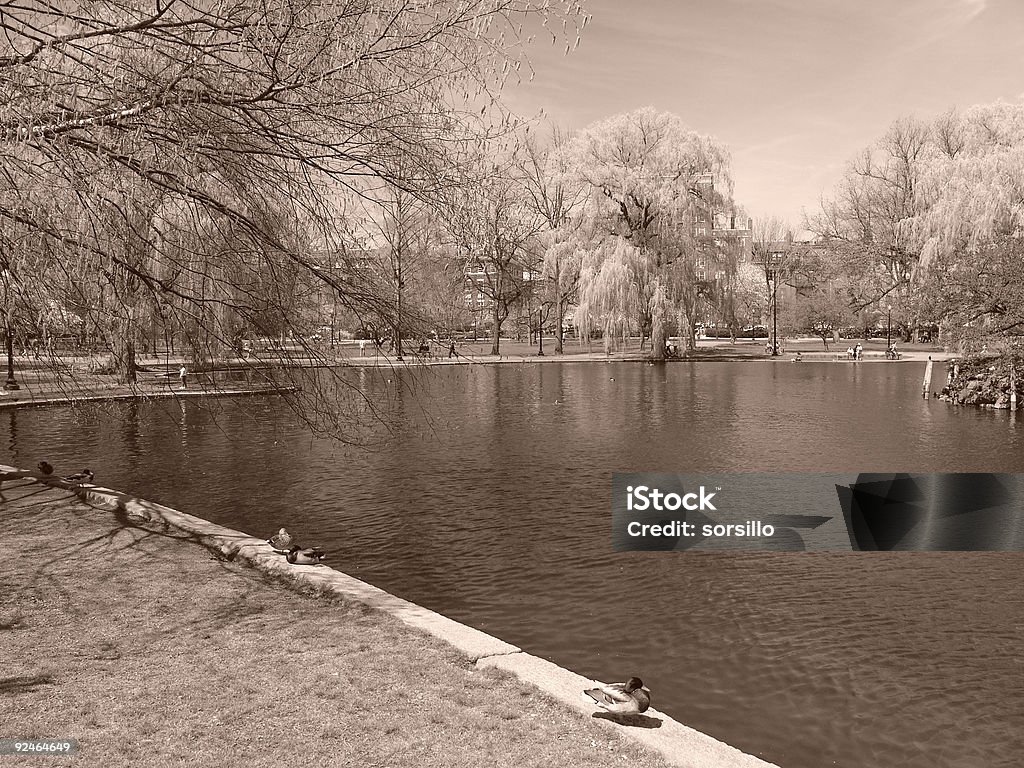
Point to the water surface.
(490, 503)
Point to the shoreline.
(674, 742)
(74, 400)
(93, 389)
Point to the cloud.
(973, 8)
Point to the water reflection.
(489, 501)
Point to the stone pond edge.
(680, 745)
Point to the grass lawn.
(150, 651)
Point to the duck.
(85, 476)
(45, 467)
(281, 541)
(311, 556)
(628, 698)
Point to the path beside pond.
(41, 384)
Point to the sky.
(794, 88)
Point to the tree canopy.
(175, 167)
(928, 221)
(653, 182)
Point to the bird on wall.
(627, 698)
(281, 541)
(85, 476)
(311, 556)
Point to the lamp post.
(888, 327)
(540, 331)
(531, 278)
(773, 275)
(775, 314)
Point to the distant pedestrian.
(858, 351)
(362, 347)
(451, 350)
(849, 352)
(183, 376)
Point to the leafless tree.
(179, 162)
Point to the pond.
(489, 501)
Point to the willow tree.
(652, 181)
(608, 297)
(927, 220)
(250, 115)
(969, 228)
(863, 221)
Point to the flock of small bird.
(628, 698)
(283, 543)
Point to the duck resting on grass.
(629, 698)
(311, 556)
(281, 541)
(85, 476)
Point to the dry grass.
(151, 651)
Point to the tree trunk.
(496, 332)
(123, 361)
(657, 340)
(559, 310)
(396, 335)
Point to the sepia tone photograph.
(429, 383)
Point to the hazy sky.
(794, 88)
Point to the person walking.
(183, 376)
(858, 351)
(451, 350)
